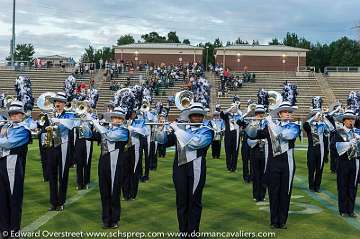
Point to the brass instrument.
(7, 101)
(81, 108)
(250, 111)
(44, 103)
(275, 99)
(184, 99)
(47, 107)
(145, 107)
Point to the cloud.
(67, 27)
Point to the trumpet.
(180, 123)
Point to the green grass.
(227, 203)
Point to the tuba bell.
(275, 99)
(44, 103)
(184, 99)
(81, 107)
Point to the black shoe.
(52, 208)
(114, 226)
(317, 190)
(283, 226)
(343, 214)
(274, 226)
(353, 215)
(106, 226)
(60, 208)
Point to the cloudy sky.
(66, 27)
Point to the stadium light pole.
(207, 54)
(12, 45)
(238, 61)
(136, 58)
(283, 62)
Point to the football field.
(227, 203)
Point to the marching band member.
(144, 147)
(83, 153)
(218, 126)
(232, 135)
(138, 132)
(162, 145)
(14, 138)
(281, 164)
(58, 153)
(245, 157)
(42, 123)
(317, 128)
(189, 169)
(113, 142)
(151, 117)
(346, 143)
(245, 152)
(258, 156)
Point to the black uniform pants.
(11, 201)
(188, 200)
(144, 169)
(231, 150)
(128, 172)
(83, 163)
(162, 150)
(216, 149)
(153, 156)
(279, 190)
(346, 185)
(315, 169)
(135, 176)
(43, 162)
(245, 156)
(110, 191)
(257, 157)
(58, 177)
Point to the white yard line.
(42, 220)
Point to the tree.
(172, 37)
(240, 42)
(23, 52)
(186, 41)
(125, 39)
(153, 37)
(93, 55)
(89, 55)
(274, 41)
(255, 43)
(217, 43)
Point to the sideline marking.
(45, 218)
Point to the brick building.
(261, 57)
(157, 53)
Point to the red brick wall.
(262, 63)
(158, 58)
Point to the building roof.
(248, 47)
(158, 46)
(54, 57)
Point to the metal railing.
(341, 69)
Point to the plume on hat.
(23, 91)
(92, 97)
(353, 101)
(263, 98)
(201, 90)
(289, 93)
(69, 87)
